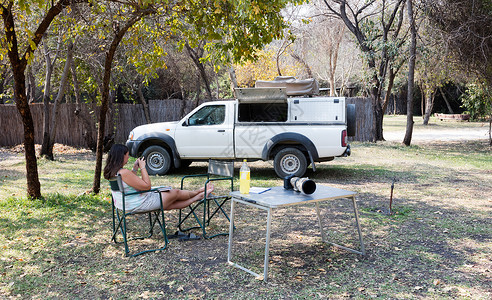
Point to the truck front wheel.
(290, 161)
(157, 159)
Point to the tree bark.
(18, 64)
(305, 65)
(145, 106)
(353, 23)
(195, 57)
(232, 75)
(105, 96)
(391, 81)
(429, 104)
(59, 97)
(87, 122)
(411, 74)
(446, 100)
(31, 86)
(46, 100)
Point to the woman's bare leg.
(182, 204)
(172, 197)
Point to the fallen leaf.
(437, 282)
(260, 277)
(418, 288)
(321, 270)
(180, 289)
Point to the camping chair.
(212, 203)
(120, 218)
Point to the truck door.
(207, 133)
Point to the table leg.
(267, 242)
(231, 231)
(356, 213)
(267, 245)
(323, 235)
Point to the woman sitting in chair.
(144, 202)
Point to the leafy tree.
(19, 40)
(263, 68)
(376, 26)
(464, 27)
(476, 101)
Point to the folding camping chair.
(120, 218)
(212, 203)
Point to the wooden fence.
(122, 118)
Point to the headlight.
(130, 136)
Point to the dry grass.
(437, 244)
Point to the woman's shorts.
(152, 202)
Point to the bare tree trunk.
(304, 64)
(232, 75)
(446, 100)
(218, 84)
(422, 100)
(46, 99)
(31, 85)
(96, 185)
(145, 106)
(429, 104)
(333, 57)
(490, 131)
(195, 57)
(198, 92)
(391, 81)
(87, 122)
(59, 97)
(18, 64)
(411, 74)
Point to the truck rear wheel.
(290, 161)
(157, 159)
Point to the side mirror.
(185, 123)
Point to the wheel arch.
(286, 139)
(163, 140)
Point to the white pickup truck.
(261, 124)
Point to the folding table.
(278, 197)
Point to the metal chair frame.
(120, 218)
(217, 171)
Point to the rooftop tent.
(294, 87)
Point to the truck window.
(208, 115)
(262, 112)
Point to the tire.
(158, 160)
(290, 161)
(351, 120)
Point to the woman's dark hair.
(114, 162)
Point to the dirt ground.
(436, 245)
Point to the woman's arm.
(140, 184)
